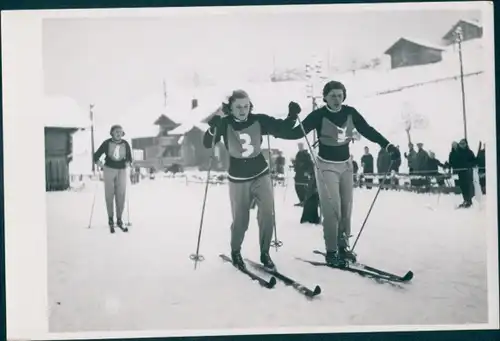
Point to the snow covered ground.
(145, 280)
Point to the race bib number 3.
(246, 145)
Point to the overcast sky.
(114, 62)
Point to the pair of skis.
(269, 284)
(358, 268)
(364, 270)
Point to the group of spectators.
(423, 171)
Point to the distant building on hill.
(470, 30)
(412, 52)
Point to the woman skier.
(118, 157)
(248, 174)
(335, 125)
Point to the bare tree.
(412, 119)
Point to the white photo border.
(25, 204)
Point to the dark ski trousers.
(310, 211)
(241, 195)
(336, 212)
(301, 189)
(466, 185)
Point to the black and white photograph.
(250, 170)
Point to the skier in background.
(248, 173)
(335, 125)
(481, 163)
(301, 165)
(464, 162)
(383, 164)
(367, 164)
(410, 158)
(355, 169)
(279, 163)
(394, 172)
(311, 201)
(118, 158)
(420, 166)
(433, 170)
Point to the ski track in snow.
(145, 279)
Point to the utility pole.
(92, 136)
(164, 94)
(314, 74)
(459, 39)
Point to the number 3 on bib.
(246, 144)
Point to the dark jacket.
(464, 158)
(383, 161)
(433, 164)
(302, 164)
(421, 161)
(367, 163)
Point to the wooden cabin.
(58, 150)
(410, 52)
(470, 30)
(62, 118)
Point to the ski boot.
(111, 225)
(347, 254)
(238, 260)
(266, 260)
(332, 258)
(344, 252)
(466, 204)
(119, 222)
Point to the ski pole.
(196, 257)
(320, 173)
(371, 206)
(275, 243)
(128, 204)
(93, 203)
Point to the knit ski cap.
(334, 85)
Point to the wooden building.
(58, 150)
(178, 143)
(410, 52)
(470, 30)
(62, 117)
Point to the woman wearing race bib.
(118, 157)
(335, 126)
(248, 174)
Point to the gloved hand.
(293, 109)
(394, 152)
(215, 121)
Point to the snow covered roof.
(463, 21)
(471, 22)
(64, 112)
(268, 97)
(449, 34)
(416, 41)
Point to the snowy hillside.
(381, 95)
(440, 106)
